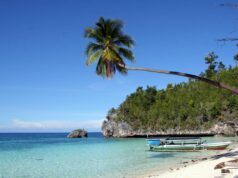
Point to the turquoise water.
(55, 156)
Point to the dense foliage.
(191, 105)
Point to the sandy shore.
(204, 168)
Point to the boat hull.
(157, 142)
(190, 147)
(153, 142)
(216, 146)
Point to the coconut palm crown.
(109, 48)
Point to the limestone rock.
(225, 128)
(78, 133)
(111, 128)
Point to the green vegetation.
(192, 105)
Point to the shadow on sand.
(228, 155)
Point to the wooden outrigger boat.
(184, 144)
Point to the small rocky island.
(78, 133)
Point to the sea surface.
(52, 155)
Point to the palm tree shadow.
(229, 154)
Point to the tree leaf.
(92, 58)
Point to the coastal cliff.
(114, 129)
(111, 128)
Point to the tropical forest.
(188, 105)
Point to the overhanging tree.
(110, 47)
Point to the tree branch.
(228, 39)
(211, 82)
(232, 5)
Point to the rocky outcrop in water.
(111, 128)
(78, 133)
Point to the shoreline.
(202, 167)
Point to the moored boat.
(174, 140)
(184, 144)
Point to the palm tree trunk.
(211, 82)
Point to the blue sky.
(45, 85)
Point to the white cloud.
(27, 124)
(57, 124)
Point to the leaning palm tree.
(110, 47)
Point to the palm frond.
(236, 57)
(92, 48)
(108, 27)
(101, 68)
(125, 40)
(89, 32)
(94, 34)
(93, 57)
(128, 54)
(100, 26)
(117, 25)
(121, 70)
(110, 55)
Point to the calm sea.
(52, 155)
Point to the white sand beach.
(204, 168)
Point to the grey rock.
(111, 128)
(228, 128)
(78, 133)
(225, 171)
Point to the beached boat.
(184, 144)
